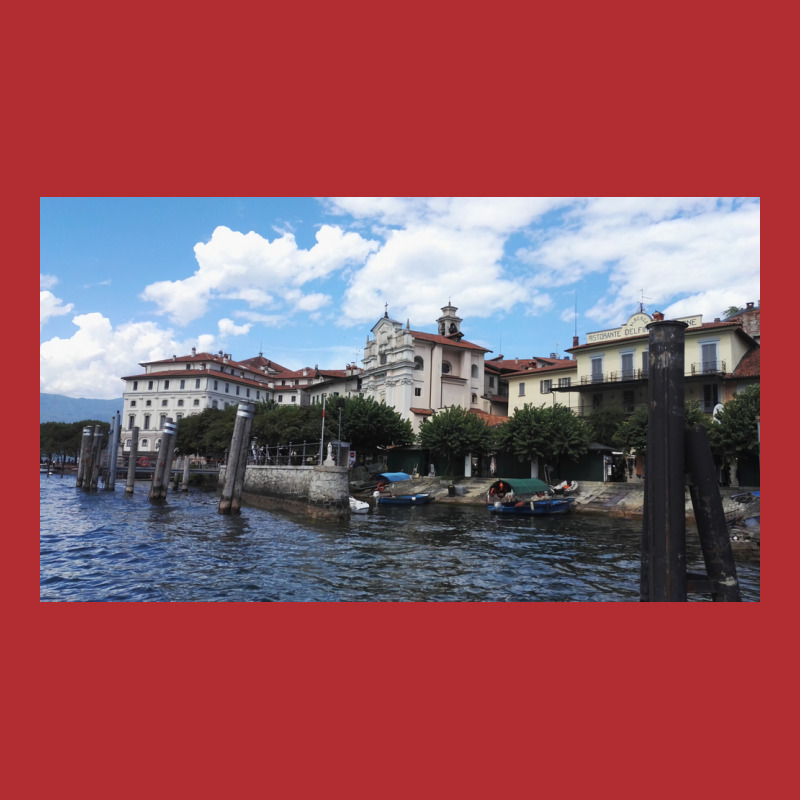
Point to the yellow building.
(611, 369)
(543, 386)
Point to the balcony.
(708, 368)
(613, 377)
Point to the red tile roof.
(426, 412)
(443, 340)
(492, 420)
(750, 365)
(562, 364)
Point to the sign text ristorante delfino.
(635, 326)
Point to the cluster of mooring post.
(674, 455)
(230, 502)
(160, 482)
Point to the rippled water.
(109, 546)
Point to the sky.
(303, 280)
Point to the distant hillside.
(57, 408)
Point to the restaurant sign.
(635, 326)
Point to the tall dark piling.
(157, 482)
(230, 502)
(712, 526)
(84, 457)
(663, 572)
(170, 443)
(133, 457)
(113, 449)
(94, 465)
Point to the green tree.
(544, 432)
(63, 439)
(369, 425)
(454, 433)
(632, 433)
(603, 424)
(735, 433)
(206, 434)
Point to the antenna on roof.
(641, 304)
(576, 312)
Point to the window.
(646, 363)
(280, 398)
(180, 402)
(294, 398)
(166, 384)
(237, 390)
(148, 402)
(474, 398)
(522, 390)
(474, 370)
(144, 444)
(227, 388)
(147, 422)
(163, 403)
(710, 397)
(627, 402)
(197, 383)
(445, 367)
(162, 420)
(597, 369)
(247, 392)
(417, 391)
(708, 356)
(135, 385)
(133, 404)
(179, 416)
(597, 401)
(149, 384)
(545, 387)
(195, 402)
(128, 443)
(564, 383)
(213, 404)
(258, 394)
(131, 421)
(491, 381)
(216, 385)
(188, 366)
(382, 358)
(183, 384)
(627, 365)
(418, 362)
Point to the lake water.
(109, 546)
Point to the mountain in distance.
(58, 408)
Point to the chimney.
(575, 341)
(749, 307)
(194, 351)
(658, 316)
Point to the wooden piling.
(186, 465)
(83, 458)
(169, 443)
(158, 471)
(712, 526)
(133, 457)
(663, 570)
(230, 502)
(113, 448)
(94, 471)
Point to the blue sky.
(303, 280)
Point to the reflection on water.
(111, 546)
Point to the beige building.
(535, 386)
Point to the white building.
(184, 385)
(420, 373)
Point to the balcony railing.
(708, 368)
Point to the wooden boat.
(418, 499)
(547, 505)
(506, 497)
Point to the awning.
(396, 476)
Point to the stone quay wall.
(317, 491)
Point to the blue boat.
(505, 497)
(418, 499)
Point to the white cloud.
(47, 281)
(51, 306)
(254, 269)
(91, 362)
(228, 328)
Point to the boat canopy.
(521, 485)
(395, 476)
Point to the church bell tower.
(449, 323)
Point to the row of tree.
(531, 432)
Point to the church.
(420, 373)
